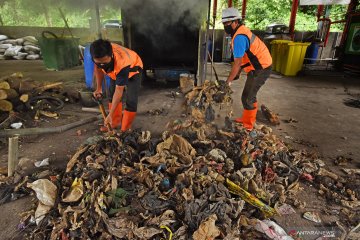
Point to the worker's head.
(102, 55)
(231, 19)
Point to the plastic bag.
(3, 37)
(30, 39)
(45, 191)
(31, 48)
(20, 56)
(32, 56)
(12, 51)
(11, 41)
(5, 45)
(272, 230)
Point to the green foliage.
(260, 13)
(45, 13)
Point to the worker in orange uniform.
(125, 68)
(251, 55)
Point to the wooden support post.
(13, 154)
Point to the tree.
(46, 12)
(260, 13)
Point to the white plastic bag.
(20, 56)
(45, 191)
(28, 43)
(33, 57)
(31, 48)
(31, 39)
(272, 230)
(40, 212)
(20, 41)
(3, 37)
(11, 41)
(5, 45)
(12, 51)
(42, 163)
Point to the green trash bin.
(59, 53)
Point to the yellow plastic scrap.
(251, 199)
(169, 230)
(76, 183)
(101, 201)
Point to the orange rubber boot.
(127, 120)
(249, 119)
(117, 116)
(240, 119)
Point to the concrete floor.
(325, 125)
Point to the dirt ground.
(324, 125)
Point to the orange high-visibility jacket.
(124, 57)
(257, 56)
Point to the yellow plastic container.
(274, 53)
(277, 53)
(293, 58)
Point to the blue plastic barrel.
(89, 70)
(312, 52)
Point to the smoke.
(156, 19)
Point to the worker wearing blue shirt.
(241, 45)
(252, 56)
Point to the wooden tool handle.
(103, 113)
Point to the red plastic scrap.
(243, 145)
(63, 235)
(269, 175)
(217, 166)
(255, 153)
(307, 177)
(54, 178)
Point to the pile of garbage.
(196, 181)
(19, 49)
(200, 101)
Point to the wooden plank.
(13, 154)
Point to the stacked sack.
(21, 48)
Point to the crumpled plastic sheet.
(207, 229)
(272, 230)
(46, 193)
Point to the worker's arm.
(234, 70)
(241, 45)
(121, 81)
(116, 100)
(99, 77)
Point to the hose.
(56, 102)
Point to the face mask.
(108, 67)
(228, 29)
